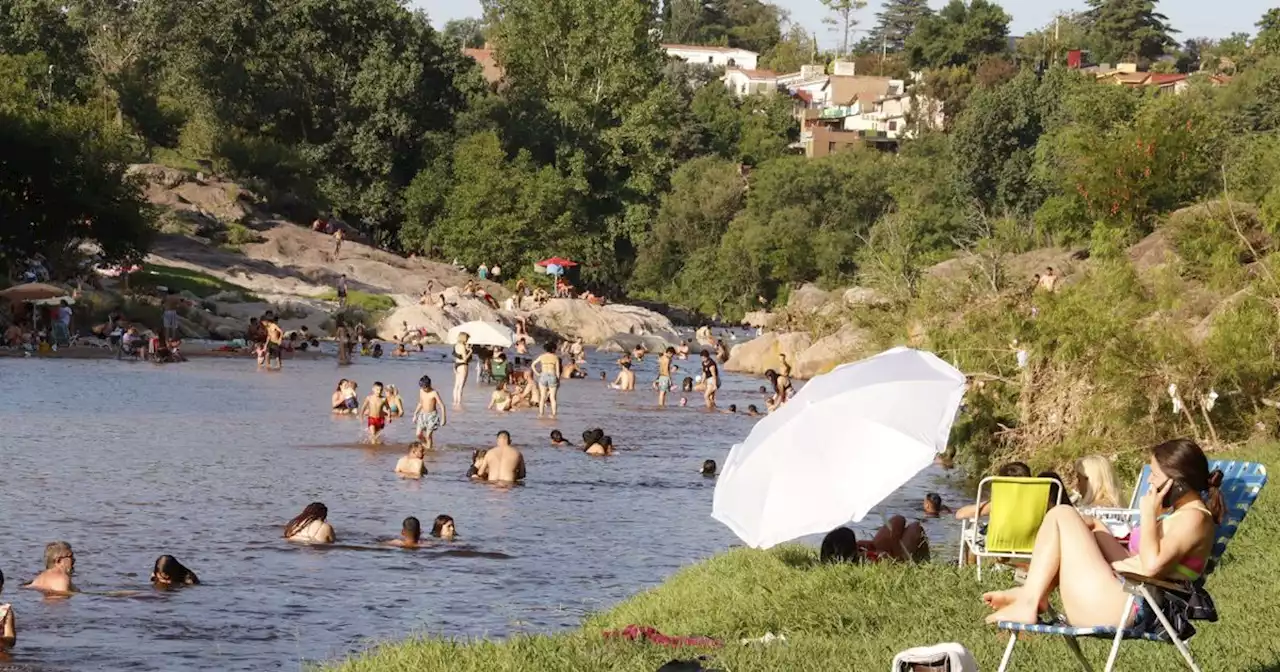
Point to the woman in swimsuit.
(461, 358)
(1082, 558)
(443, 528)
(547, 368)
(310, 526)
(395, 405)
(338, 402)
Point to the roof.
(846, 89)
(755, 74)
(1161, 79)
(488, 62)
(697, 47)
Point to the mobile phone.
(1175, 492)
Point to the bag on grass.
(939, 658)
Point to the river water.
(207, 460)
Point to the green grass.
(369, 303)
(851, 617)
(183, 280)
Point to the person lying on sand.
(411, 465)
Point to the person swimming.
(411, 465)
(59, 565)
(410, 534)
(310, 526)
(500, 400)
(443, 528)
(344, 397)
(558, 440)
(168, 572)
(933, 506)
(591, 437)
(732, 410)
(686, 385)
(502, 463)
(752, 410)
(708, 468)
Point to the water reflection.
(206, 461)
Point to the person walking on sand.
(502, 463)
(663, 383)
(429, 414)
(275, 339)
(341, 288)
(462, 354)
(710, 379)
(338, 237)
(547, 369)
(375, 410)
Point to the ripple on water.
(207, 460)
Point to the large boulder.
(628, 342)
(595, 324)
(810, 298)
(760, 354)
(760, 319)
(848, 344)
(864, 297)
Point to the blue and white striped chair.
(1241, 483)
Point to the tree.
(959, 35)
(754, 25)
(1129, 29)
(896, 21)
(842, 20)
(795, 49)
(1268, 40)
(30, 26)
(468, 32)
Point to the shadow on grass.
(797, 557)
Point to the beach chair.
(1241, 483)
(1018, 506)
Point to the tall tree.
(843, 19)
(794, 50)
(1129, 29)
(1268, 40)
(959, 35)
(469, 32)
(896, 21)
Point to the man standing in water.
(341, 288)
(664, 375)
(59, 565)
(502, 463)
(429, 415)
(275, 338)
(375, 409)
(710, 378)
(461, 359)
(170, 318)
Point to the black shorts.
(273, 351)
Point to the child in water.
(501, 400)
(395, 405)
(429, 415)
(375, 410)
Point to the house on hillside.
(715, 57)
(747, 82)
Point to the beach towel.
(939, 658)
(651, 635)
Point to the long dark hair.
(177, 573)
(840, 545)
(438, 526)
(1183, 460)
(314, 511)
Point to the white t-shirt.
(495, 271)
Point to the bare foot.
(1018, 612)
(999, 599)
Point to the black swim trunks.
(273, 351)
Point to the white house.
(746, 82)
(888, 115)
(716, 57)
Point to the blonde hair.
(1103, 489)
(55, 551)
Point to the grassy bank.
(183, 280)
(855, 618)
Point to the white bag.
(940, 658)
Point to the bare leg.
(553, 392)
(662, 397)
(542, 399)
(915, 543)
(1067, 553)
(459, 382)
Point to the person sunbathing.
(1178, 516)
(896, 540)
(1010, 470)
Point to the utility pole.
(884, 49)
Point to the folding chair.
(1241, 483)
(1018, 506)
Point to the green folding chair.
(1017, 508)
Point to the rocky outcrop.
(864, 297)
(561, 318)
(759, 319)
(810, 298)
(760, 354)
(847, 345)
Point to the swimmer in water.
(601, 448)
(168, 572)
(933, 506)
(732, 410)
(708, 468)
(410, 534)
(503, 463)
(411, 465)
(686, 385)
(429, 414)
(500, 400)
(376, 411)
(684, 401)
(626, 379)
(344, 398)
(752, 411)
(309, 527)
(663, 383)
(558, 440)
(59, 565)
(443, 528)
(8, 625)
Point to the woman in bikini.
(1179, 515)
(461, 358)
(309, 527)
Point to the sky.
(1195, 18)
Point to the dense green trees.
(896, 22)
(1128, 30)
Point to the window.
(732, 63)
(711, 59)
(893, 126)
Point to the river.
(207, 460)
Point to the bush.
(239, 234)
(363, 301)
(182, 280)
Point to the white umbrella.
(483, 333)
(844, 443)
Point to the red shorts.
(377, 423)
